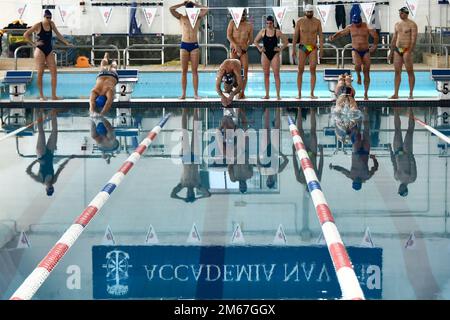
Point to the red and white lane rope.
(13, 133)
(33, 282)
(345, 274)
(433, 130)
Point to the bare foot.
(278, 98)
(183, 97)
(57, 98)
(197, 97)
(410, 97)
(299, 97)
(43, 98)
(313, 97)
(265, 97)
(394, 96)
(366, 97)
(242, 96)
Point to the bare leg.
(301, 69)
(39, 58)
(195, 54)
(366, 72)
(105, 61)
(398, 63)
(398, 141)
(357, 61)
(51, 63)
(184, 58)
(408, 59)
(312, 70)
(275, 64)
(40, 145)
(266, 69)
(408, 143)
(52, 140)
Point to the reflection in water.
(269, 158)
(190, 178)
(402, 155)
(311, 146)
(45, 156)
(104, 135)
(359, 171)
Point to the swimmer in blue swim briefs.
(189, 49)
(361, 50)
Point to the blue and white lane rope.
(33, 282)
(346, 276)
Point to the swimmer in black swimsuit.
(102, 95)
(270, 56)
(43, 54)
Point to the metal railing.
(386, 46)
(108, 47)
(150, 46)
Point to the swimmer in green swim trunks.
(402, 48)
(308, 28)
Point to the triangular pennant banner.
(236, 14)
(279, 13)
(323, 11)
(194, 236)
(367, 239)
(367, 8)
(149, 14)
(23, 241)
(411, 242)
(321, 239)
(412, 6)
(151, 237)
(280, 236)
(20, 10)
(106, 13)
(108, 238)
(62, 11)
(192, 14)
(237, 237)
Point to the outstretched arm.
(61, 167)
(59, 35)
(32, 175)
(375, 166)
(341, 33)
(342, 170)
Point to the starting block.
(442, 79)
(127, 79)
(17, 81)
(332, 75)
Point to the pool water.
(167, 85)
(415, 269)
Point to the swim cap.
(50, 191)
(356, 185)
(47, 13)
(356, 18)
(100, 101)
(101, 129)
(228, 78)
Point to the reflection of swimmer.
(269, 157)
(104, 135)
(190, 178)
(359, 171)
(402, 157)
(311, 146)
(102, 95)
(45, 156)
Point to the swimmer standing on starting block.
(102, 95)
